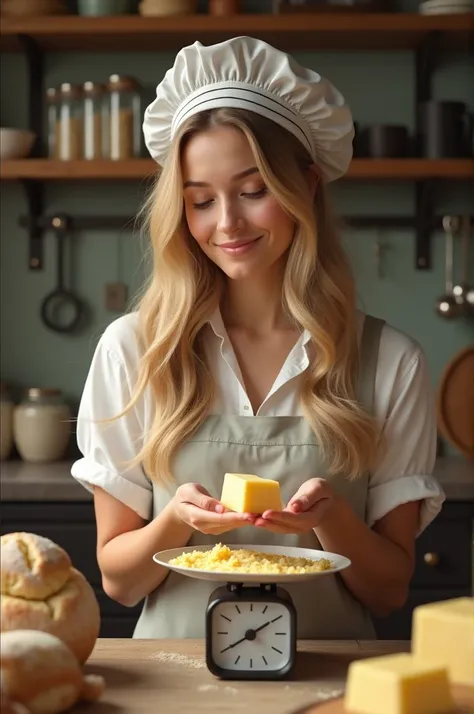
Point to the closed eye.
(256, 194)
(203, 205)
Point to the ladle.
(446, 305)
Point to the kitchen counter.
(21, 481)
(170, 676)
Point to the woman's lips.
(238, 247)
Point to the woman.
(247, 354)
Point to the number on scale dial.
(251, 636)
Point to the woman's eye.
(201, 206)
(256, 194)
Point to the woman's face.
(230, 213)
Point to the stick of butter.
(397, 684)
(246, 493)
(443, 635)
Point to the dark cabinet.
(444, 564)
(443, 570)
(72, 526)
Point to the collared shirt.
(403, 406)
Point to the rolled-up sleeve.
(109, 448)
(404, 473)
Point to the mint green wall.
(31, 355)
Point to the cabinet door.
(397, 626)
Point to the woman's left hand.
(303, 512)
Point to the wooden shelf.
(138, 169)
(299, 31)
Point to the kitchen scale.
(251, 619)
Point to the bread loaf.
(42, 591)
(41, 673)
(33, 567)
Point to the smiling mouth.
(234, 245)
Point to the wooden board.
(463, 697)
(455, 402)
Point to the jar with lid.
(6, 422)
(125, 117)
(95, 121)
(52, 104)
(41, 425)
(70, 123)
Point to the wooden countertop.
(170, 676)
(21, 481)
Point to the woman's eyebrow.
(241, 175)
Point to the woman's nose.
(230, 219)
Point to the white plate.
(339, 562)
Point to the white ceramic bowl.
(15, 143)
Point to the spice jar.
(125, 117)
(6, 422)
(95, 121)
(41, 425)
(70, 123)
(52, 104)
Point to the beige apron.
(280, 448)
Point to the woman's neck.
(255, 306)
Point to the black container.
(446, 130)
(385, 141)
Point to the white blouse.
(403, 405)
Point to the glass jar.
(125, 117)
(6, 422)
(52, 104)
(95, 121)
(41, 425)
(70, 123)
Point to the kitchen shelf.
(368, 169)
(298, 31)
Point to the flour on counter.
(216, 688)
(175, 658)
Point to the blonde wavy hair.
(185, 287)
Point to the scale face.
(250, 632)
(250, 619)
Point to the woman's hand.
(196, 507)
(303, 512)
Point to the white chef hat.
(247, 73)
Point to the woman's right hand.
(196, 507)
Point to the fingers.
(286, 521)
(197, 495)
(308, 495)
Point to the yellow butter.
(397, 684)
(443, 635)
(246, 493)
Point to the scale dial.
(250, 638)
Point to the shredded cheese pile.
(221, 558)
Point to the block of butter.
(443, 635)
(396, 684)
(246, 493)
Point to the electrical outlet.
(116, 297)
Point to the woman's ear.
(313, 177)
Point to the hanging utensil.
(61, 309)
(446, 305)
(462, 289)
